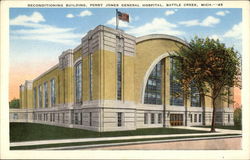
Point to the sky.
(39, 35)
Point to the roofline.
(160, 36)
(44, 73)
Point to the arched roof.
(160, 36)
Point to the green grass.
(224, 127)
(106, 142)
(31, 132)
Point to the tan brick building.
(114, 81)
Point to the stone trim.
(147, 74)
(160, 36)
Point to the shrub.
(237, 117)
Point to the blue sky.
(53, 30)
(39, 35)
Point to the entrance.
(176, 119)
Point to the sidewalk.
(42, 142)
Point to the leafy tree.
(210, 66)
(237, 117)
(14, 103)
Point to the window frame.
(78, 82)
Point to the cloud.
(170, 12)
(157, 26)
(32, 29)
(189, 23)
(210, 21)
(123, 24)
(216, 36)
(70, 15)
(85, 13)
(222, 13)
(29, 21)
(234, 32)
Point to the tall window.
(90, 76)
(52, 92)
(175, 88)
(195, 97)
(40, 96)
(153, 87)
(119, 76)
(34, 97)
(78, 82)
(45, 89)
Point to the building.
(114, 81)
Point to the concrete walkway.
(42, 142)
(215, 143)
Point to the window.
(58, 117)
(199, 117)
(175, 88)
(145, 118)
(40, 96)
(81, 118)
(78, 82)
(45, 90)
(90, 118)
(15, 116)
(63, 118)
(52, 92)
(90, 75)
(159, 117)
(119, 76)
(51, 118)
(152, 118)
(153, 88)
(119, 119)
(195, 117)
(195, 97)
(34, 97)
(76, 118)
(191, 118)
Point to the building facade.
(113, 81)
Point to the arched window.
(78, 82)
(153, 88)
(175, 88)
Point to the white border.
(122, 154)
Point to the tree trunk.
(203, 109)
(185, 105)
(213, 117)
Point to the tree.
(14, 103)
(237, 117)
(210, 66)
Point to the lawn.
(223, 127)
(32, 131)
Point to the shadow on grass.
(223, 127)
(32, 131)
